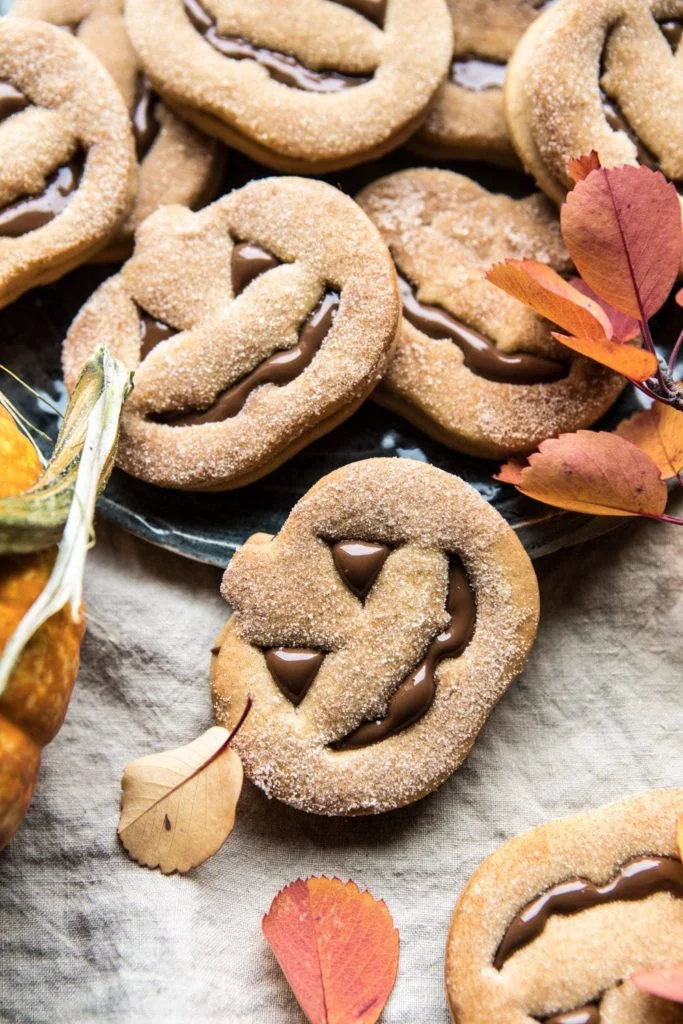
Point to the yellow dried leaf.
(178, 807)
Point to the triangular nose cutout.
(359, 563)
(294, 669)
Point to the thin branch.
(674, 353)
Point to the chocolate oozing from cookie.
(152, 332)
(146, 125)
(294, 669)
(359, 563)
(31, 212)
(12, 101)
(481, 355)
(584, 1015)
(280, 368)
(414, 696)
(476, 74)
(673, 32)
(283, 67)
(636, 880)
(249, 261)
(373, 10)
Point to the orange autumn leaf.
(622, 227)
(337, 947)
(580, 167)
(679, 296)
(658, 431)
(634, 363)
(624, 327)
(665, 982)
(542, 288)
(593, 472)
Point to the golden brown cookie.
(299, 85)
(177, 164)
(466, 119)
(475, 368)
(375, 633)
(67, 165)
(253, 326)
(552, 925)
(619, 92)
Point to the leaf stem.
(674, 353)
(650, 346)
(664, 518)
(247, 708)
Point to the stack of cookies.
(378, 630)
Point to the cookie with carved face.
(552, 925)
(466, 119)
(619, 92)
(67, 163)
(299, 85)
(375, 633)
(177, 164)
(253, 327)
(474, 367)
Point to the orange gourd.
(34, 703)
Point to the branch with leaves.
(622, 227)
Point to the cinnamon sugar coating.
(580, 959)
(75, 111)
(553, 97)
(181, 165)
(469, 123)
(180, 274)
(288, 128)
(287, 591)
(444, 232)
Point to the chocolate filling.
(414, 696)
(294, 669)
(673, 32)
(146, 126)
(152, 332)
(481, 355)
(11, 101)
(249, 261)
(359, 563)
(280, 368)
(584, 1015)
(476, 74)
(636, 880)
(373, 10)
(32, 212)
(283, 67)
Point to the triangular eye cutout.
(248, 262)
(294, 669)
(358, 563)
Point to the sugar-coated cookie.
(67, 162)
(474, 367)
(466, 119)
(177, 164)
(253, 327)
(604, 75)
(299, 85)
(375, 634)
(553, 924)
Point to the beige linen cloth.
(87, 935)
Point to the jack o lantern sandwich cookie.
(253, 327)
(177, 164)
(466, 118)
(475, 368)
(604, 75)
(375, 634)
(552, 926)
(67, 164)
(299, 85)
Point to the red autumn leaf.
(580, 167)
(337, 947)
(542, 288)
(622, 227)
(593, 472)
(658, 431)
(624, 327)
(679, 296)
(634, 363)
(665, 982)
